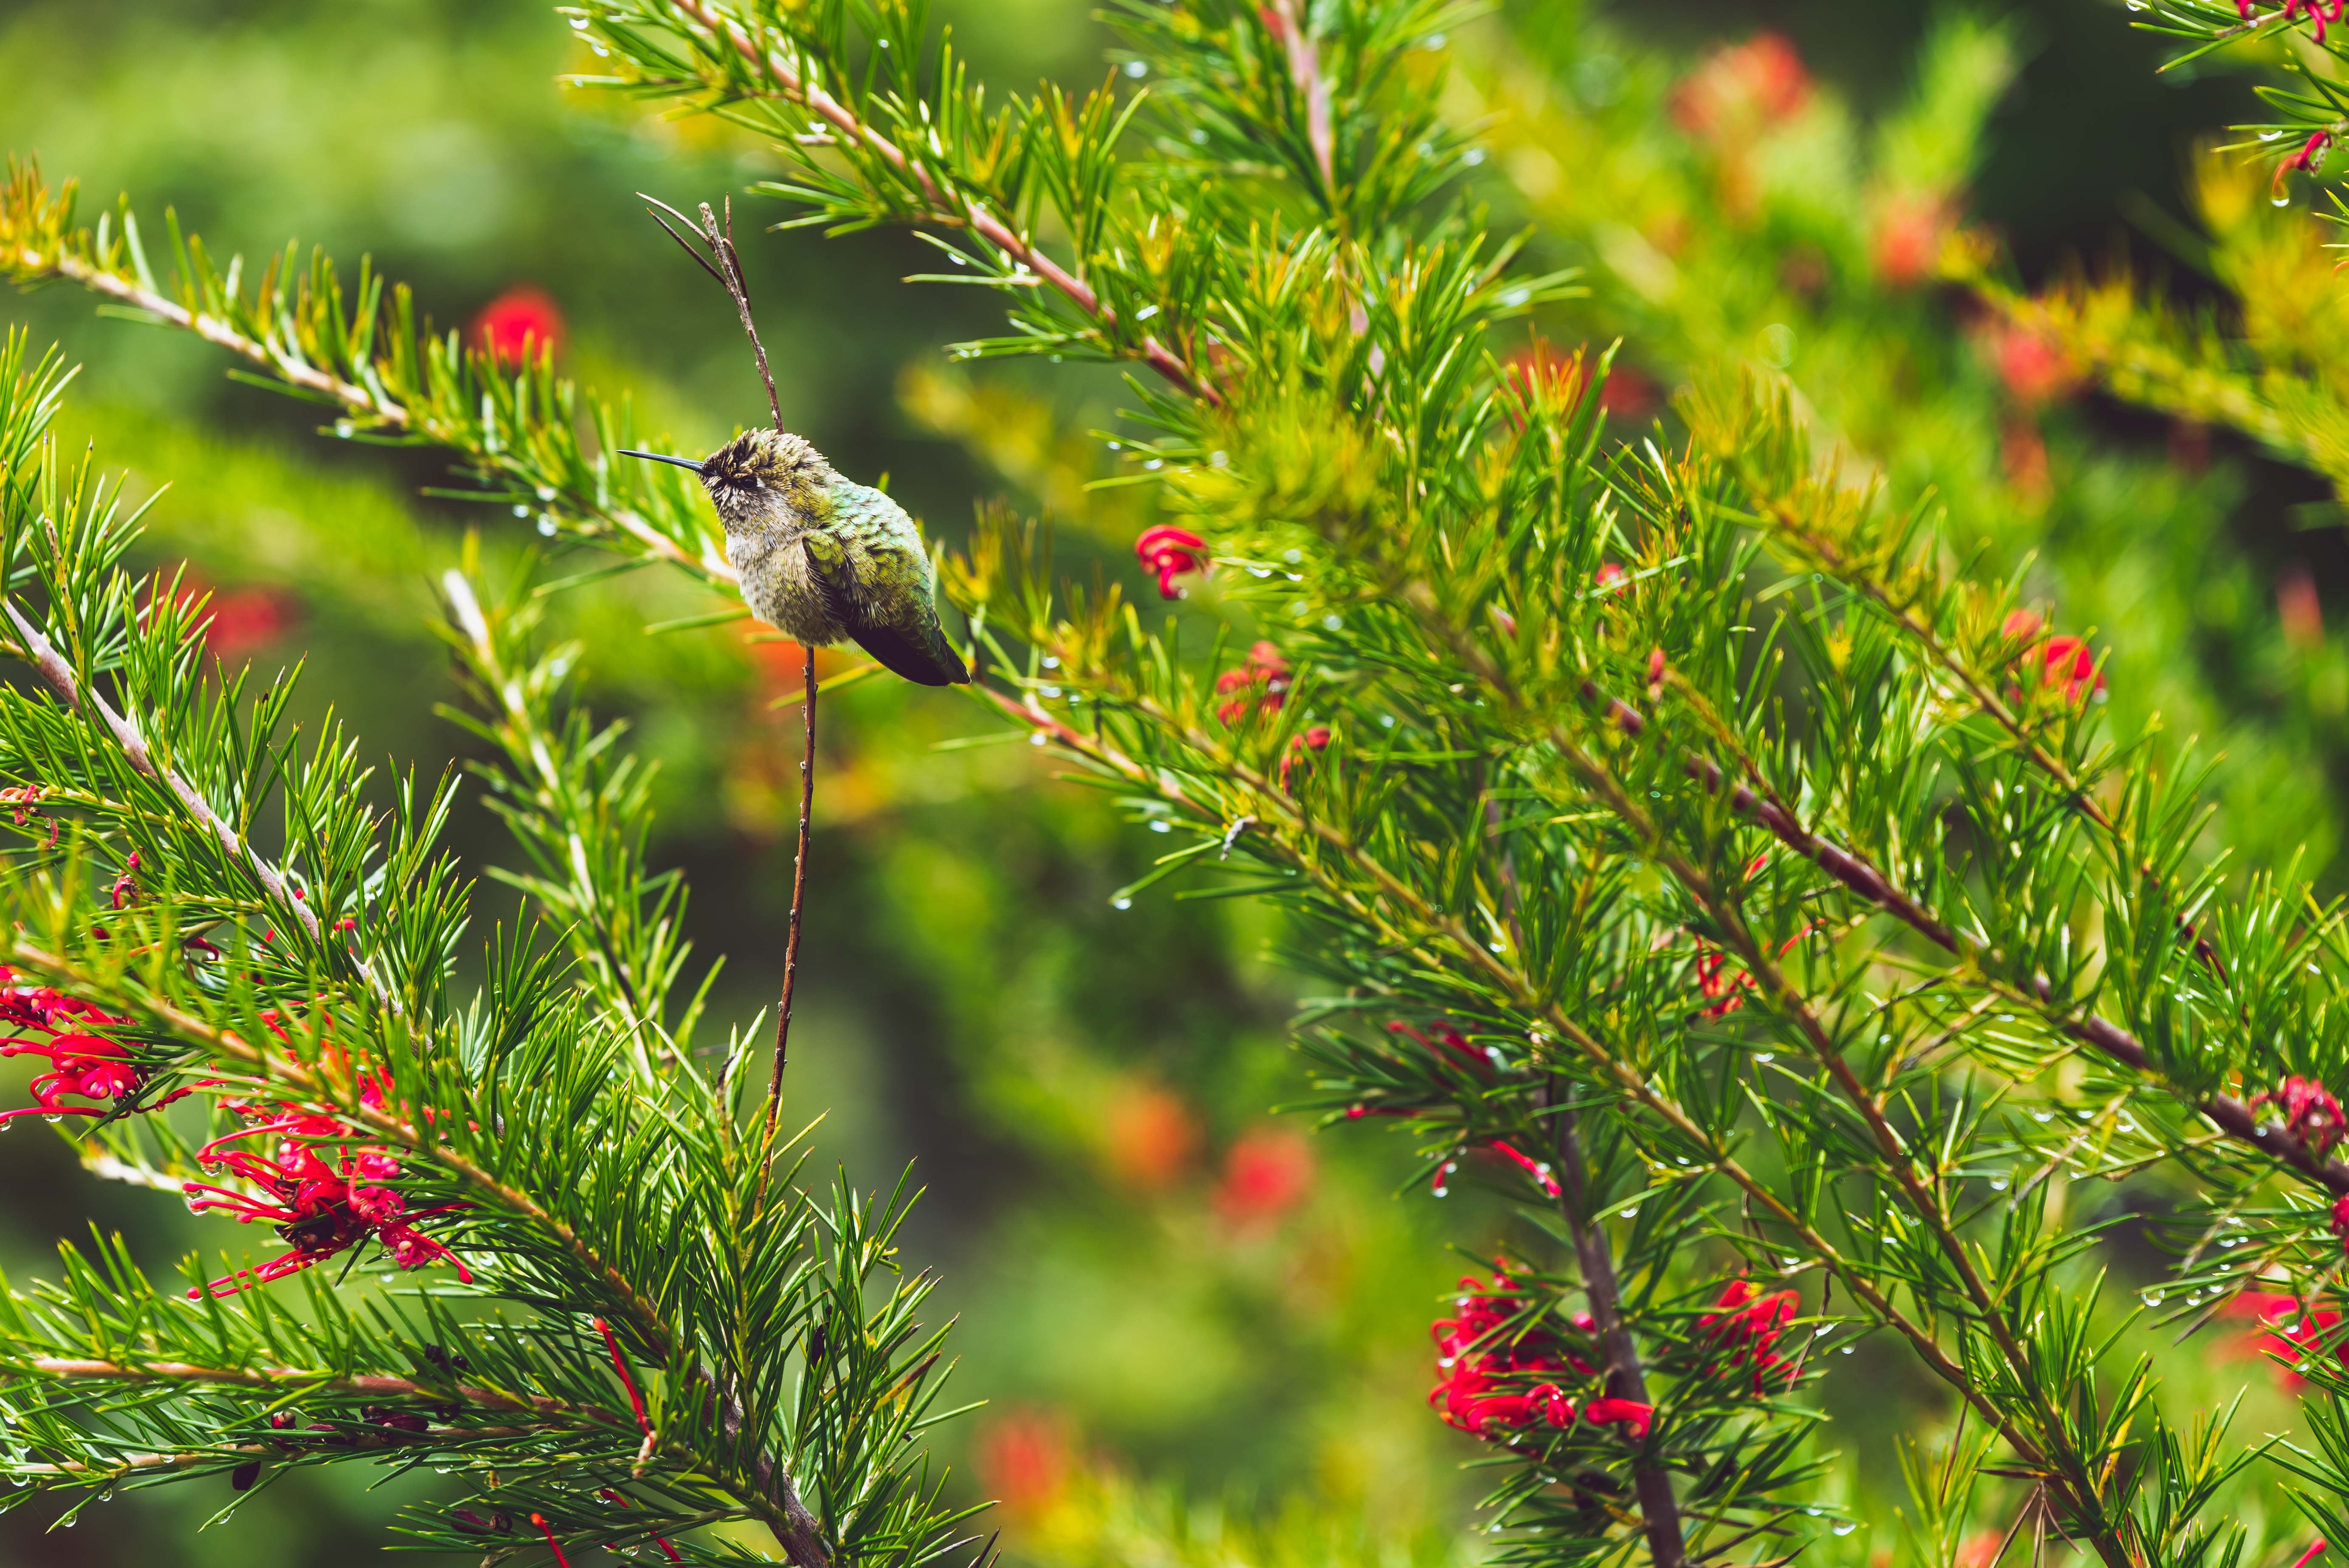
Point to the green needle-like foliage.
(627, 1324)
(1696, 847)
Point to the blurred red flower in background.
(2283, 1326)
(1024, 1460)
(2299, 611)
(1266, 1172)
(1151, 1136)
(1741, 88)
(237, 621)
(1910, 229)
(1629, 393)
(2032, 365)
(519, 324)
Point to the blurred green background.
(1157, 1277)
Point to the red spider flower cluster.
(1260, 686)
(1268, 1173)
(321, 1207)
(2311, 151)
(83, 1063)
(1718, 983)
(1301, 746)
(2323, 13)
(2062, 658)
(1744, 1325)
(1495, 1386)
(23, 804)
(1168, 553)
(2310, 1112)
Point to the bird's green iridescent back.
(890, 584)
(893, 565)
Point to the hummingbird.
(822, 558)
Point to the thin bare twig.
(728, 270)
(798, 882)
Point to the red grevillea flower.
(1168, 553)
(521, 323)
(1449, 1048)
(320, 1209)
(1630, 1413)
(2062, 658)
(1744, 1324)
(2321, 13)
(1494, 1387)
(2311, 151)
(1526, 1163)
(2310, 1112)
(1608, 576)
(234, 621)
(1446, 1041)
(125, 886)
(1719, 984)
(83, 1063)
(1265, 668)
(25, 804)
(1303, 746)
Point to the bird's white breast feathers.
(779, 588)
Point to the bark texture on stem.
(799, 886)
(1659, 1512)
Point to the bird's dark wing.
(903, 633)
(930, 661)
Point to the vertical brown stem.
(799, 885)
(1659, 1511)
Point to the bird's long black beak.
(663, 457)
